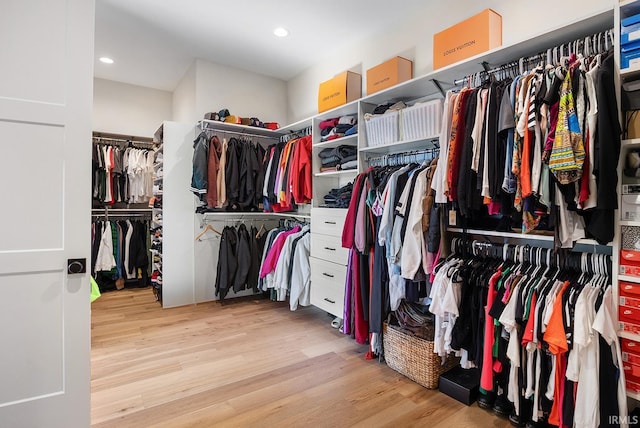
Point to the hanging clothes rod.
(107, 215)
(598, 43)
(116, 141)
(243, 134)
(121, 210)
(405, 157)
(259, 133)
(121, 137)
(296, 134)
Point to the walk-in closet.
(342, 214)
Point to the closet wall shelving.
(627, 331)
(328, 260)
(327, 222)
(202, 254)
(433, 84)
(264, 137)
(628, 8)
(122, 210)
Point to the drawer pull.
(330, 301)
(329, 222)
(327, 274)
(329, 248)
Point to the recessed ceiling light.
(106, 60)
(281, 32)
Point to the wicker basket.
(413, 357)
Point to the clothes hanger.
(207, 228)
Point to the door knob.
(76, 266)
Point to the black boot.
(485, 401)
(502, 406)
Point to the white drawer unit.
(328, 221)
(328, 248)
(327, 286)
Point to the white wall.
(184, 97)
(244, 93)
(129, 109)
(208, 87)
(413, 39)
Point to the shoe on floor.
(502, 406)
(485, 401)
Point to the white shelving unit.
(349, 140)
(629, 278)
(336, 173)
(238, 129)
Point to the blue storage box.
(630, 58)
(630, 29)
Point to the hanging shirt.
(440, 178)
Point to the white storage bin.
(383, 129)
(421, 120)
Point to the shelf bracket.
(439, 86)
(486, 66)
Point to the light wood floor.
(247, 364)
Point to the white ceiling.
(153, 42)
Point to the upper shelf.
(296, 126)
(343, 110)
(239, 129)
(584, 245)
(424, 86)
(631, 143)
(630, 73)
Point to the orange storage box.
(467, 38)
(629, 315)
(342, 89)
(631, 358)
(388, 74)
(630, 262)
(633, 386)
(630, 346)
(632, 328)
(631, 372)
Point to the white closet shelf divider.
(353, 171)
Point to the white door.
(46, 75)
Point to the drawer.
(327, 286)
(328, 221)
(328, 248)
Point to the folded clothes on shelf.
(337, 155)
(338, 198)
(338, 127)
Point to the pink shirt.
(274, 252)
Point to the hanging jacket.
(243, 257)
(227, 262)
(200, 162)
